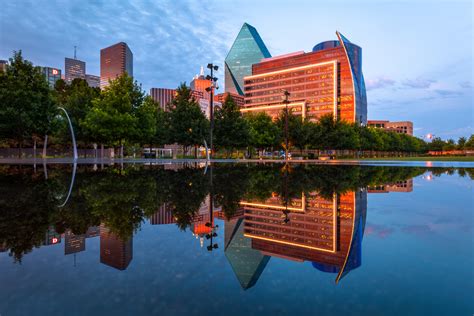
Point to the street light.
(286, 94)
(210, 89)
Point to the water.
(326, 240)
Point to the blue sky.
(417, 55)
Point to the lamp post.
(210, 89)
(286, 94)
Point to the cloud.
(418, 83)
(377, 83)
(465, 85)
(447, 93)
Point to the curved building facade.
(328, 80)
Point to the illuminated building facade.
(74, 68)
(399, 186)
(93, 81)
(328, 80)
(200, 83)
(115, 60)
(3, 65)
(163, 216)
(51, 74)
(115, 251)
(247, 49)
(327, 232)
(74, 243)
(238, 99)
(403, 127)
(163, 96)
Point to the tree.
(147, 116)
(77, 99)
(113, 118)
(231, 130)
(263, 132)
(26, 106)
(298, 130)
(470, 143)
(461, 142)
(188, 125)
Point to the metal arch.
(71, 185)
(72, 134)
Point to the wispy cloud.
(418, 83)
(465, 85)
(378, 83)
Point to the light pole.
(210, 89)
(286, 94)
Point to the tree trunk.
(195, 152)
(45, 145)
(101, 151)
(19, 149)
(34, 148)
(121, 150)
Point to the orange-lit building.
(200, 83)
(115, 251)
(115, 60)
(403, 127)
(399, 186)
(327, 232)
(328, 80)
(238, 99)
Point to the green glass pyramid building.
(248, 49)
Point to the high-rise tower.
(248, 49)
(114, 61)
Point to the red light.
(54, 240)
(55, 72)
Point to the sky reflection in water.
(236, 239)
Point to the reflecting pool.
(242, 239)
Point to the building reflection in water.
(325, 231)
(115, 251)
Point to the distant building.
(238, 99)
(93, 81)
(399, 186)
(200, 83)
(51, 74)
(247, 49)
(163, 96)
(3, 65)
(74, 243)
(115, 60)
(52, 237)
(328, 80)
(115, 251)
(163, 216)
(403, 127)
(74, 68)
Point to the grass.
(426, 158)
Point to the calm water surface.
(236, 240)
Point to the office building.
(398, 186)
(51, 237)
(74, 68)
(403, 127)
(247, 49)
(115, 251)
(74, 243)
(93, 81)
(163, 216)
(3, 65)
(326, 232)
(115, 60)
(328, 80)
(200, 83)
(51, 74)
(163, 96)
(238, 99)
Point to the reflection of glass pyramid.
(248, 49)
(247, 263)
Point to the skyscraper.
(93, 81)
(163, 96)
(114, 61)
(328, 80)
(200, 83)
(3, 65)
(115, 251)
(51, 74)
(248, 49)
(74, 68)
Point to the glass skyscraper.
(248, 49)
(74, 68)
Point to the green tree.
(27, 109)
(230, 128)
(461, 142)
(470, 143)
(188, 125)
(263, 133)
(113, 118)
(298, 131)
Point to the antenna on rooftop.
(75, 52)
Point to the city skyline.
(425, 81)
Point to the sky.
(417, 55)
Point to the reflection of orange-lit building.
(399, 186)
(326, 232)
(115, 251)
